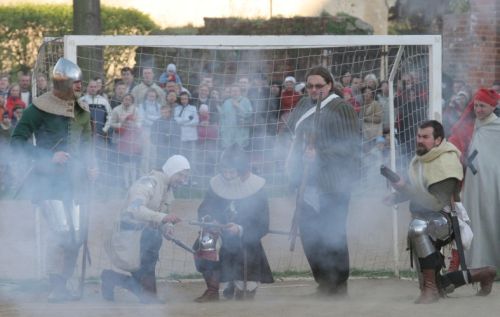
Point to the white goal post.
(390, 57)
(72, 42)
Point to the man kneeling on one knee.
(433, 184)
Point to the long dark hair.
(327, 76)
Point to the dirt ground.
(290, 298)
(370, 235)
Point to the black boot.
(228, 292)
(149, 291)
(110, 279)
(58, 291)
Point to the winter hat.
(171, 68)
(175, 164)
(488, 96)
(299, 87)
(203, 108)
(290, 78)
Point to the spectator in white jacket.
(186, 116)
(100, 110)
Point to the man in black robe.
(236, 201)
(324, 162)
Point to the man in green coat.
(61, 168)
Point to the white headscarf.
(175, 164)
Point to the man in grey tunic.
(481, 191)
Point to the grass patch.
(25, 286)
(291, 274)
(381, 273)
(308, 274)
(191, 276)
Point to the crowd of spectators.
(144, 120)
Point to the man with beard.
(236, 200)
(148, 209)
(62, 167)
(433, 184)
(324, 160)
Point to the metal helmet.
(208, 241)
(65, 73)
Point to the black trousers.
(151, 241)
(324, 239)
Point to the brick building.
(471, 44)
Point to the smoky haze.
(366, 216)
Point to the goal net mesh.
(259, 75)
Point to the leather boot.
(211, 294)
(454, 261)
(485, 276)
(429, 292)
(110, 279)
(149, 291)
(58, 291)
(108, 282)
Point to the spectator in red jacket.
(289, 98)
(14, 100)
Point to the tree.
(87, 21)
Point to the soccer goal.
(402, 73)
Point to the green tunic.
(57, 125)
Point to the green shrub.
(23, 27)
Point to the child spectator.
(16, 115)
(170, 75)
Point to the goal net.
(394, 83)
